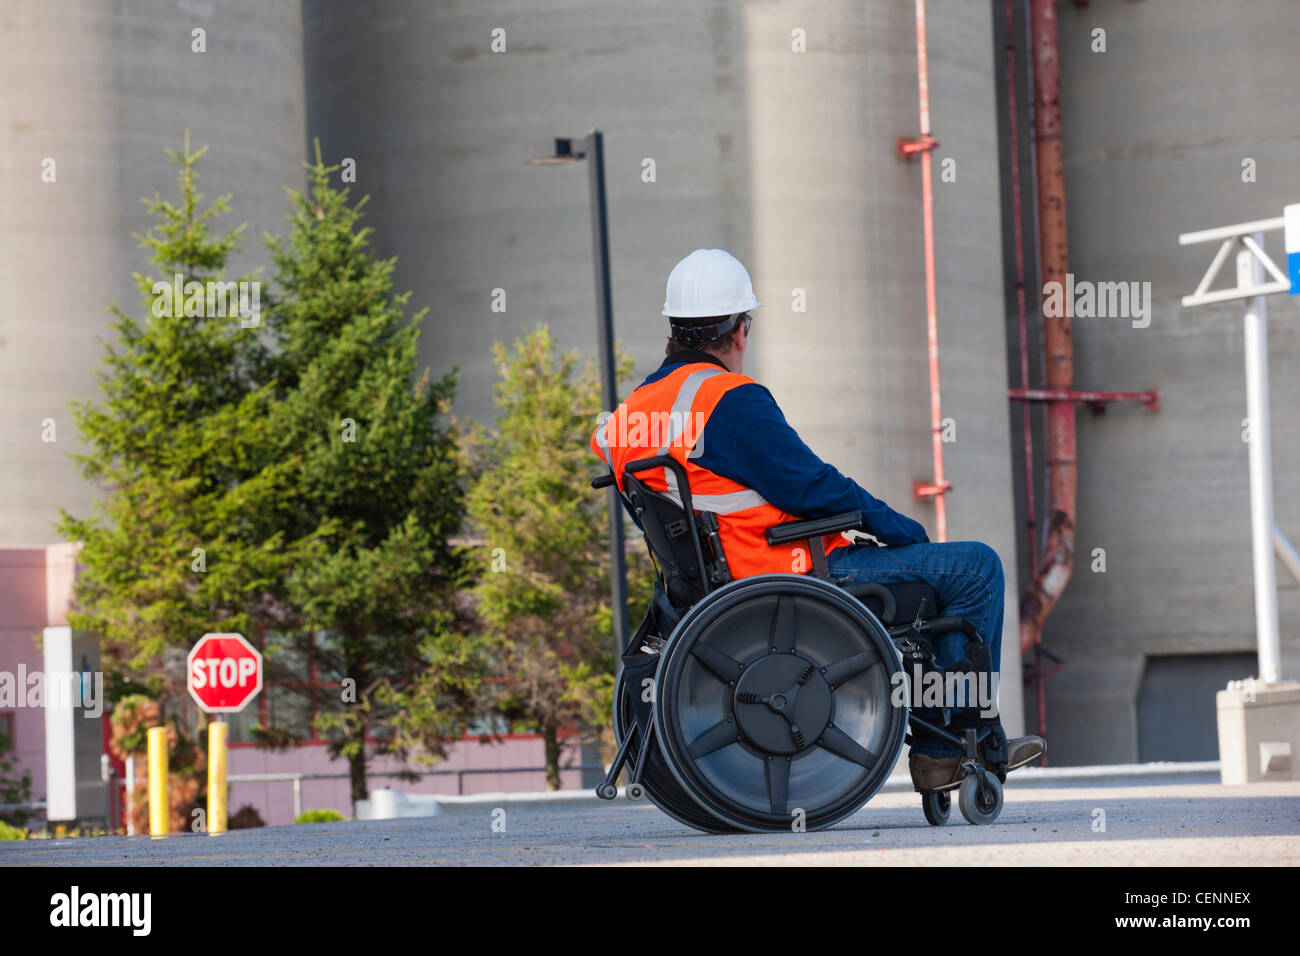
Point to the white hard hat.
(708, 282)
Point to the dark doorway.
(1176, 715)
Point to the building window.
(302, 678)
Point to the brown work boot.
(1021, 750)
(931, 773)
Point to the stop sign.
(225, 672)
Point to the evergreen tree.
(543, 591)
(374, 465)
(181, 542)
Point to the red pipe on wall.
(1057, 564)
(939, 487)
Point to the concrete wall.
(103, 89)
(1156, 129)
(838, 215)
(440, 127)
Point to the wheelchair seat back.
(672, 541)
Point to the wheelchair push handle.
(658, 461)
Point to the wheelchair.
(766, 703)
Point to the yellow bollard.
(217, 734)
(159, 809)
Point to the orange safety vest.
(667, 417)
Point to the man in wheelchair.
(699, 447)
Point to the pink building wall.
(274, 801)
(36, 592)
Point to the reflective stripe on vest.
(682, 408)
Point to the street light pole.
(608, 373)
(594, 153)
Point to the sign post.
(1252, 262)
(225, 673)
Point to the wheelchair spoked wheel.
(774, 703)
(937, 805)
(659, 784)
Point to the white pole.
(1249, 274)
(130, 795)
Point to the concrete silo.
(101, 89)
(838, 221)
(441, 104)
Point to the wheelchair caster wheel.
(635, 791)
(607, 791)
(937, 805)
(980, 801)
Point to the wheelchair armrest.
(788, 531)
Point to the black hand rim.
(660, 785)
(871, 637)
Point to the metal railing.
(298, 778)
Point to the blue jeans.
(967, 579)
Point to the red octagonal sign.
(225, 672)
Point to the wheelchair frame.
(691, 565)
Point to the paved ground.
(1165, 824)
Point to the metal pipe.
(1231, 232)
(939, 487)
(1019, 241)
(1249, 274)
(1286, 553)
(1057, 564)
(1149, 398)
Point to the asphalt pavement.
(1073, 823)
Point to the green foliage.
(11, 833)
(179, 441)
(373, 464)
(320, 816)
(15, 787)
(543, 584)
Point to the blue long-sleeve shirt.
(748, 440)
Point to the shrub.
(319, 816)
(11, 833)
(245, 818)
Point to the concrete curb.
(1101, 774)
